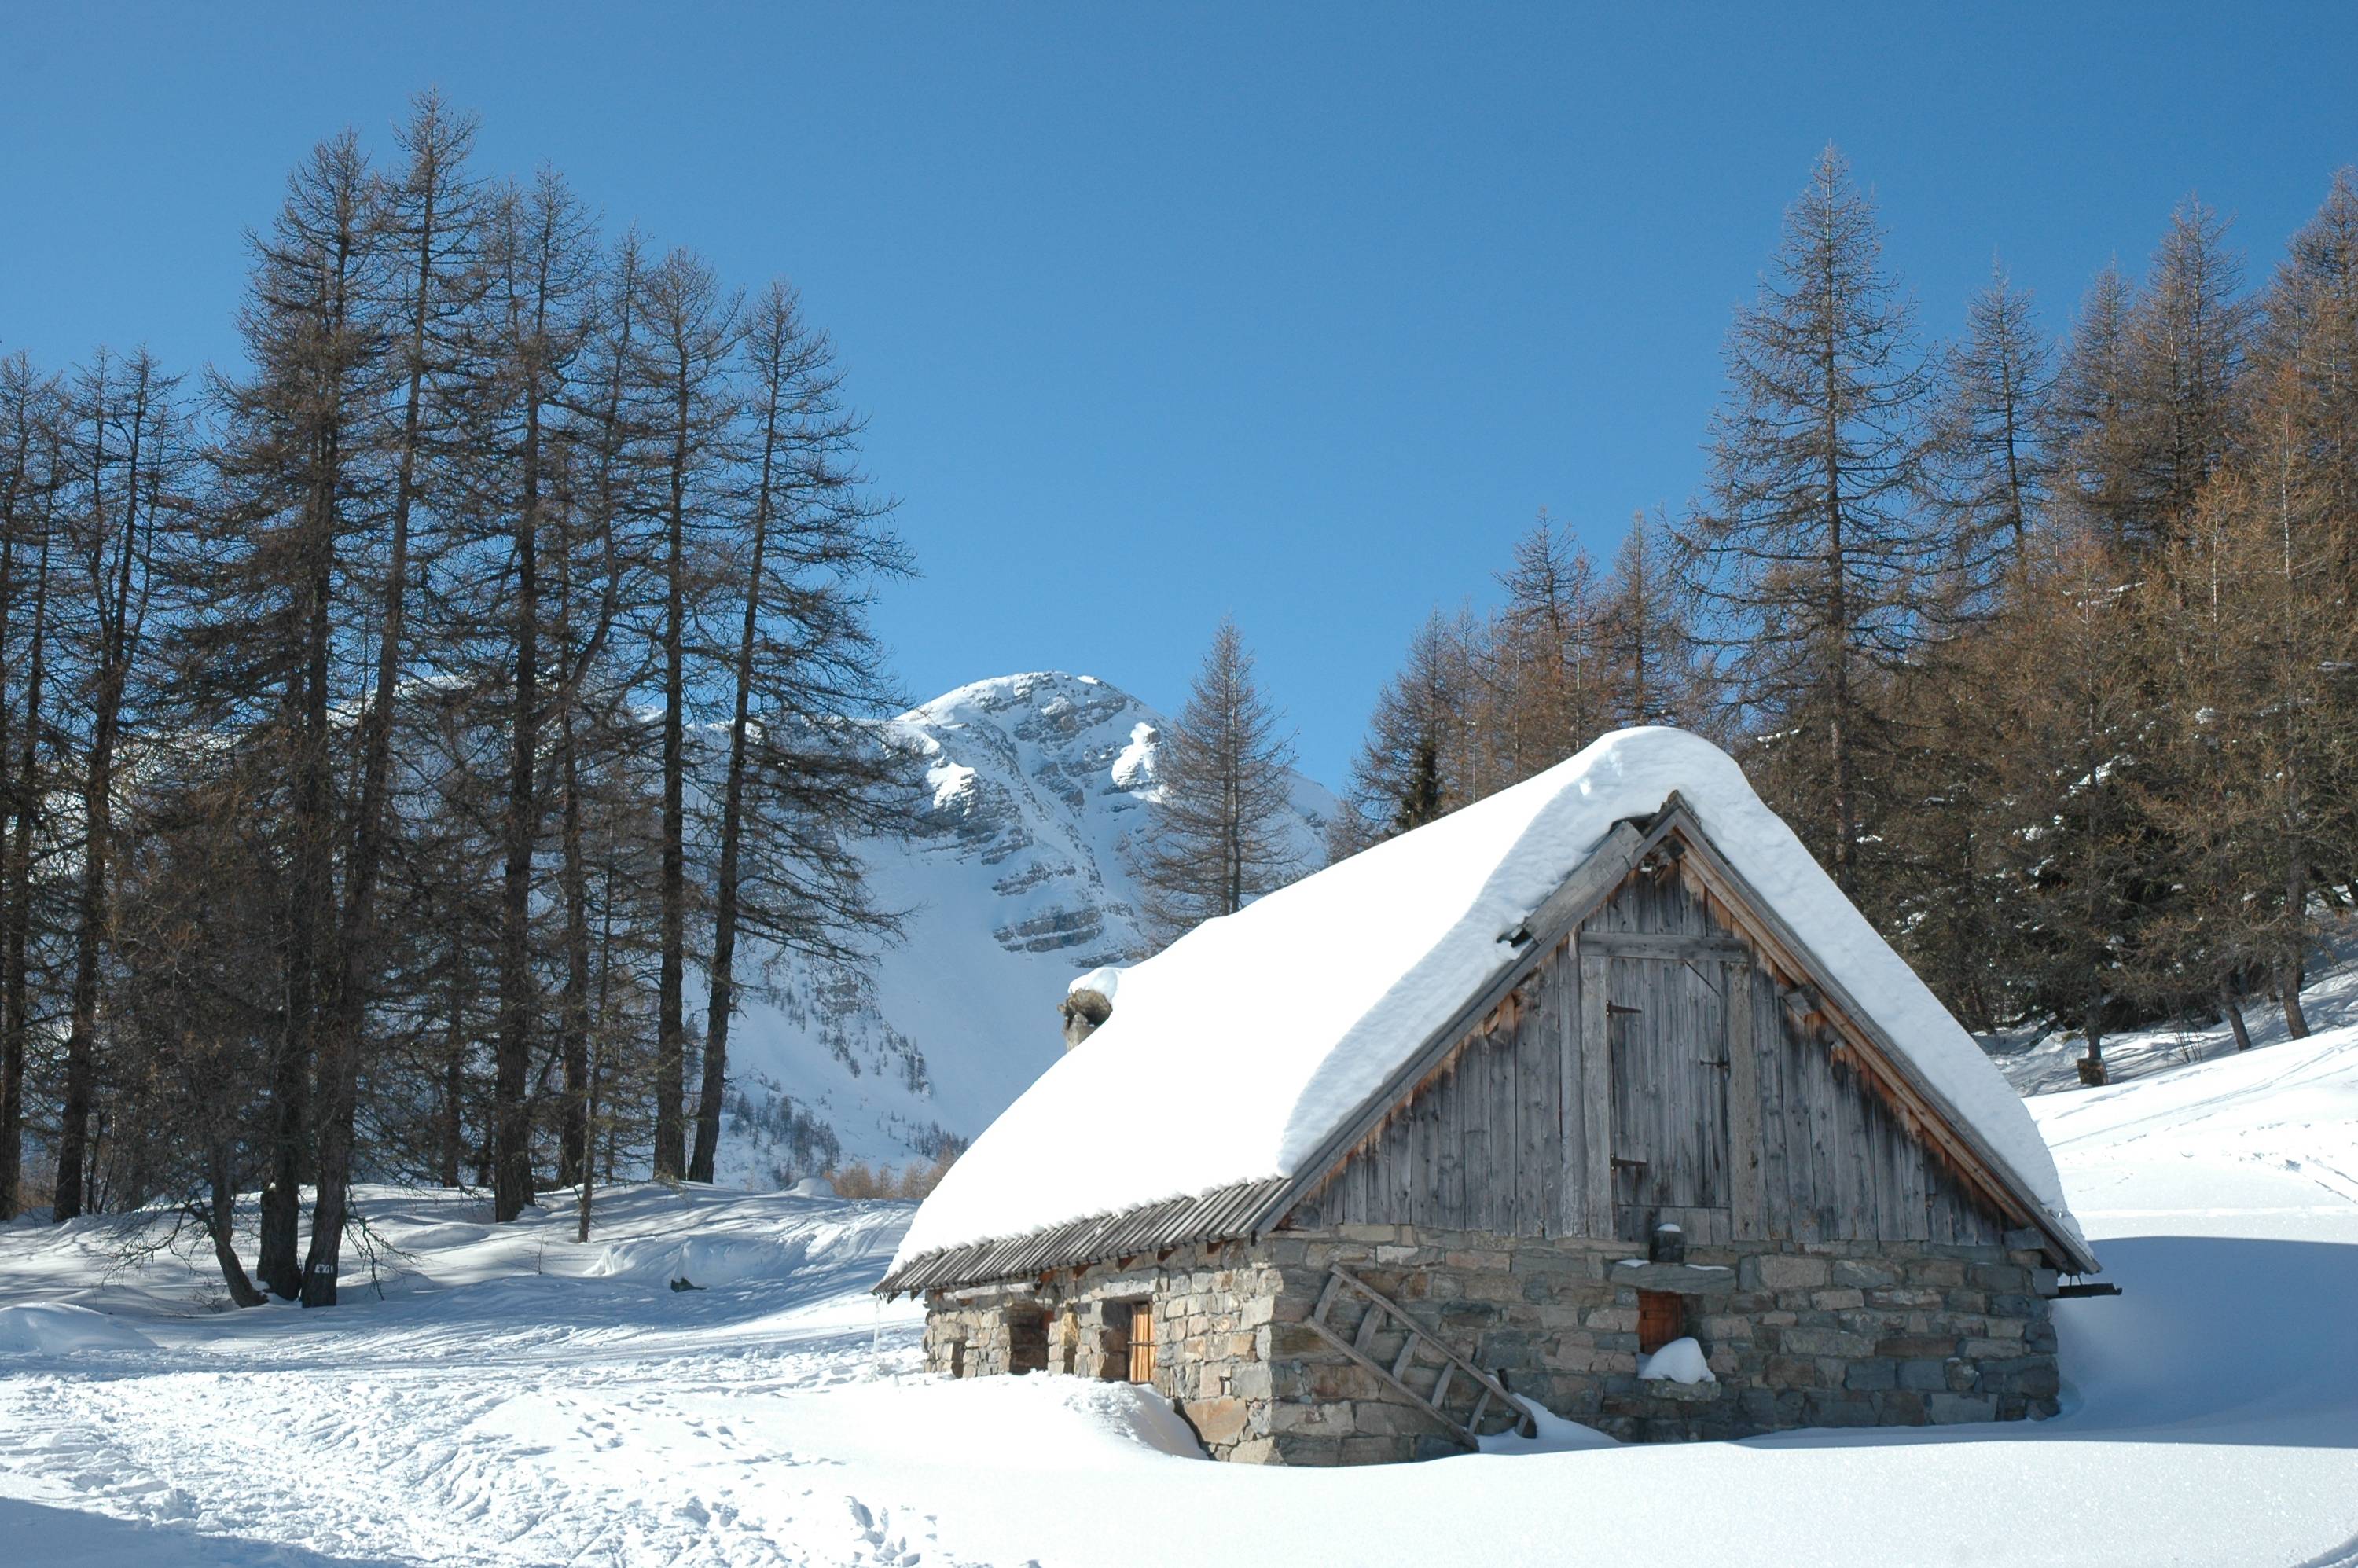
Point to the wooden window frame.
(1661, 1318)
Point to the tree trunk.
(117, 642)
(15, 998)
(671, 1043)
(12, 1036)
(721, 1000)
(345, 1003)
(2289, 979)
(220, 1228)
(512, 1190)
(2232, 1009)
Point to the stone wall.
(1842, 1334)
(1213, 1307)
(1798, 1334)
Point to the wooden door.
(1142, 1342)
(1668, 1046)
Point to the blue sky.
(1295, 313)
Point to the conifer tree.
(1989, 438)
(1417, 763)
(1218, 839)
(794, 797)
(1809, 551)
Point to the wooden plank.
(1748, 1203)
(1775, 1181)
(1557, 916)
(1942, 1122)
(1536, 1049)
(1534, 1110)
(1666, 944)
(1597, 1095)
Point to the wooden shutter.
(1142, 1342)
(1659, 1320)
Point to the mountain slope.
(1023, 790)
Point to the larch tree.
(1989, 466)
(689, 334)
(130, 465)
(1220, 835)
(1418, 762)
(29, 448)
(1644, 634)
(1547, 694)
(1809, 550)
(795, 797)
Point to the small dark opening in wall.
(1662, 1317)
(1027, 1340)
(1115, 1319)
(958, 1357)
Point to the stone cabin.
(1680, 1091)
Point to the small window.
(1142, 1342)
(958, 1357)
(1660, 1319)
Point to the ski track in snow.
(514, 1398)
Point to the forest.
(2044, 645)
(399, 729)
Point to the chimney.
(1089, 1002)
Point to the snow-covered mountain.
(1023, 790)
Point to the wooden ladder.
(1383, 1314)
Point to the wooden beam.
(1596, 1095)
(1746, 1201)
(1665, 945)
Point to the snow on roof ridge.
(1244, 1044)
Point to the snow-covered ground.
(515, 1398)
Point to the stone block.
(1826, 1341)
(1789, 1372)
(1305, 1448)
(1863, 1275)
(1782, 1271)
(1904, 1297)
(1912, 1347)
(1924, 1377)
(1999, 1278)
(1839, 1300)
(1961, 1407)
(1324, 1417)
(1838, 1409)
(1478, 1263)
(1388, 1449)
(1940, 1272)
(1872, 1374)
(1992, 1349)
(1216, 1421)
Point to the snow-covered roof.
(1235, 1053)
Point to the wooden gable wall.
(1650, 1070)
